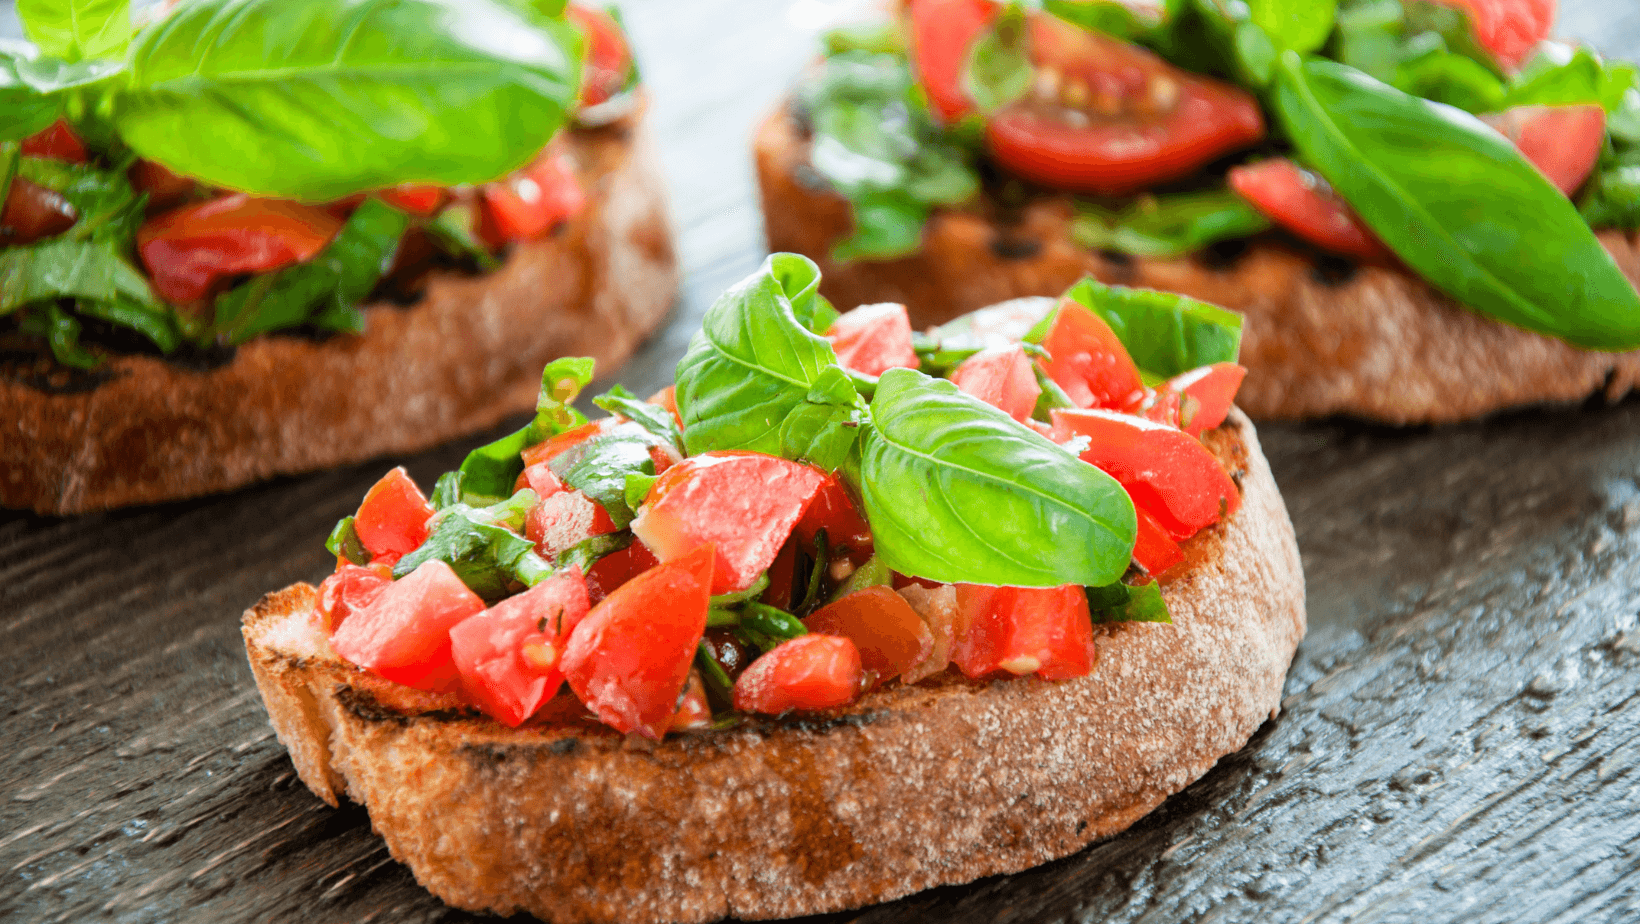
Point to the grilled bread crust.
(1322, 336)
(463, 358)
(912, 787)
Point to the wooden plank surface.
(1460, 740)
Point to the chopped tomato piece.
(549, 448)
(1001, 378)
(744, 504)
(164, 188)
(1155, 550)
(188, 250)
(392, 520)
(1024, 630)
(873, 339)
(1168, 473)
(1510, 29)
(1563, 142)
(508, 656)
(34, 212)
(1110, 118)
(540, 479)
(629, 658)
(807, 672)
(937, 608)
(560, 521)
(694, 713)
(404, 633)
(617, 568)
(783, 572)
(942, 31)
(351, 588)
(1088, 360)
(889, 634)
(608, 61)
(834, 510)
(1304, 204)
(421, 199)
(1209, 393)
(1161, 405)
(532, 201)
(57, 142)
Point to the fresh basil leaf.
(104, 201)
(1559, 76)
(1612, 198)
(487, 558)
(1128, 603)
(1302, 25)
(1168, 225)
(61, 331)
(446, 491)
(62, 268)
(344, 542)
(824, 430)
(657, 420)
(304, 99)
(589, 552)
(1111, 17)
(1425, 49)
(752, 362)
(1452, 79)
(1455, 200)
(956, 490)
(887, 226)
(77, 29)
(1164, 332)
(638, 486)
(156, 323)
(325, 291)
(509, 513)
(599, 467)
(453, 228)
(767, 623)
(23, 109)
(998, 70)
(488, 472)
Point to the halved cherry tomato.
(1110, 118)
(392, 520)
(1155, 550)
(1563, 142)
(188, 250)
(1088, 360)
(404, 633)
(1024, 630)
(629, 658)
(508, 656)
(834, 510)
(807, 672)
(532, 201)
(57, 141)
(744, 504)
(694, 713)
(1209, 392)
(608, 60)
(421, 199)
(1167, 472)
(351, 588)
(873, 338)
(1304, 204)
(1510, 29)
(1001, 378)
(888, 633)
(34, 212)
(942, 31)
(164, 188)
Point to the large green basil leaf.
(956, 490)
(752, 361)
(825, 428)
(488, 472)
(1459, 204)
(77, 29)
(310, 100)
(1169, 225)
(1421, 48)
(1164, 332)
(998, 70)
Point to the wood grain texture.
(1460, 740)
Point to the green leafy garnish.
(1167, 226)
(344, 541)
(998, 70)
(488, 472)
(653, 418)
(487, 557)
(76, 29)
(1128, 603)
(1165, 333)
(600, 467)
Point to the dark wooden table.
(1460, 740)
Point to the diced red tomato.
(668, 398)
(783, 571)
(532, 201)
(833, 509)
(540, 479)
(164, 188)
(1160, 405)
(34, 212)
(1110, 118)
(1510, 29)
(351, 588)
(888, 633)
(560, 521)
(807, 672)
(1168, 473)
(392, 520)
(421, 199)
(694, 713)
(57, 142)
(1024, 630)
(744, 504)
(937, 608)
(617, 568)
(188, 250)
(404, 633)
(1210, 391)
(549, 448)
(1001, 378)
(508, 656)
(873, 339)
(629, 658)
(608, 61)
(1563, 142)
(942, 31)
(1304, 204)
(1155, 550)
(1088, 360)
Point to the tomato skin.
(808, 672)
(350, 589)
(532, 201)
(1159, 405)
(616, 568)
(1510, 29)
(629, 658)
(421, 199)
(56, 141)
(1211, 391)
(188, 250)
(694, 712)
(1088, 360)
(164, 188)
(1154, 549)
(743, 504)
(34, 212)
(1001, 378)
(508, 656)
(552, 446)
(1563, 142)
(404, 633)
(941, 33)
(1046, 631)
(1301, 202)
(1115, 119)
(873, 339)
(1167, 472)
(608, 60)
(886, 631)
(834, 510)
(392, 519)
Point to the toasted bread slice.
(912, 787)
(468, 354)
(1322, 336)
